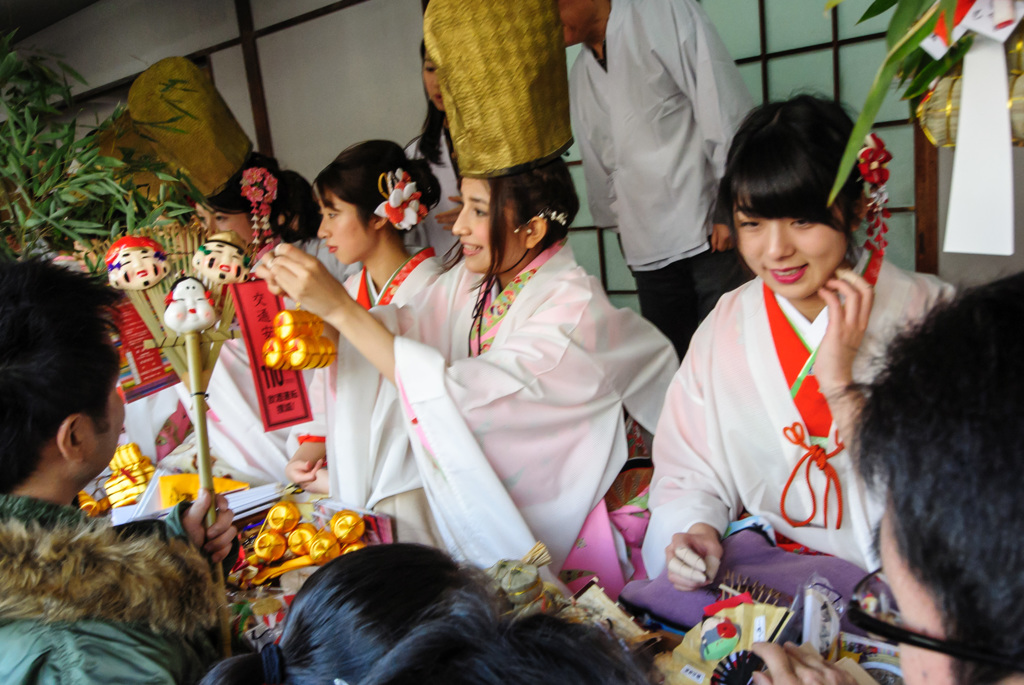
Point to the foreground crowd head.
(59, 409)
(942, 431)
(405, 613)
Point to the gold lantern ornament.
(298, 343)
(130, 475)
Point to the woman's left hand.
(847, 324)
(303, 278)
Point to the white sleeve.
(693, 53)
(692, 482)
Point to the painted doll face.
(221, 262)
(189, 309)
(137, 268)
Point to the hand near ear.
(217, 540)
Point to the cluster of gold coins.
(283, 531)
(298, 342)
(130, 473)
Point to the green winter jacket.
(83, 602)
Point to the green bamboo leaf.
(876, 95)
(877, 7)
(75, 223)
(936, 69)
(907, 12)
(71, 72)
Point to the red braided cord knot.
(817, 456)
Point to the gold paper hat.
(502, 70)
(176, 106)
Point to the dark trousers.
(677, 297)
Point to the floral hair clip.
(259, 187)
(402, 201)
(552, 215)
(872, 162)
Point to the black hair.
(355, 176)
(351, 612)
(294, 216)
(782, 162)
(518, 198)
(429, 144)
(56, 358)
(469, 644)
(941, 429)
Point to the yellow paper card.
(185, 486)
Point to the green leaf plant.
(912, 21)
(62, 183)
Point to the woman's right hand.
(694, 557)
(303, 278)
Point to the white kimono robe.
(719, 448)
(368, 452)
(523, 440)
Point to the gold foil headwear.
(502, 71)
(176, 106)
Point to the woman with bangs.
(513, 369)
(756, 417)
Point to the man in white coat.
(655, 100)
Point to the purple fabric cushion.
(748, 554)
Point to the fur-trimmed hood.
(88, 570)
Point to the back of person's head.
(56, 358)
(356, 176)
(294, 216)
(352, 612)
(942, 431)
(546, 191)
(470, 644)
(782, 162)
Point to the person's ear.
(536, 229)
(75, 438)
(377, 222)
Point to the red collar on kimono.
(794, 357)
(387, 293)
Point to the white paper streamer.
(980, 218)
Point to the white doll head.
(222, 259)
(136, 263)
(189, 308)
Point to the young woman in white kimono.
(513, 369)
(367, 451)
(755, 418)
(238, 441)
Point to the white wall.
(348, 76)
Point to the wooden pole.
(198, 391)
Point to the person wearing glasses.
(940, 432)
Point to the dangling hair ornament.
(873, 160)
(402, 201)
(259, 187)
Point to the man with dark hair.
(941, 432)
(82, 601)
